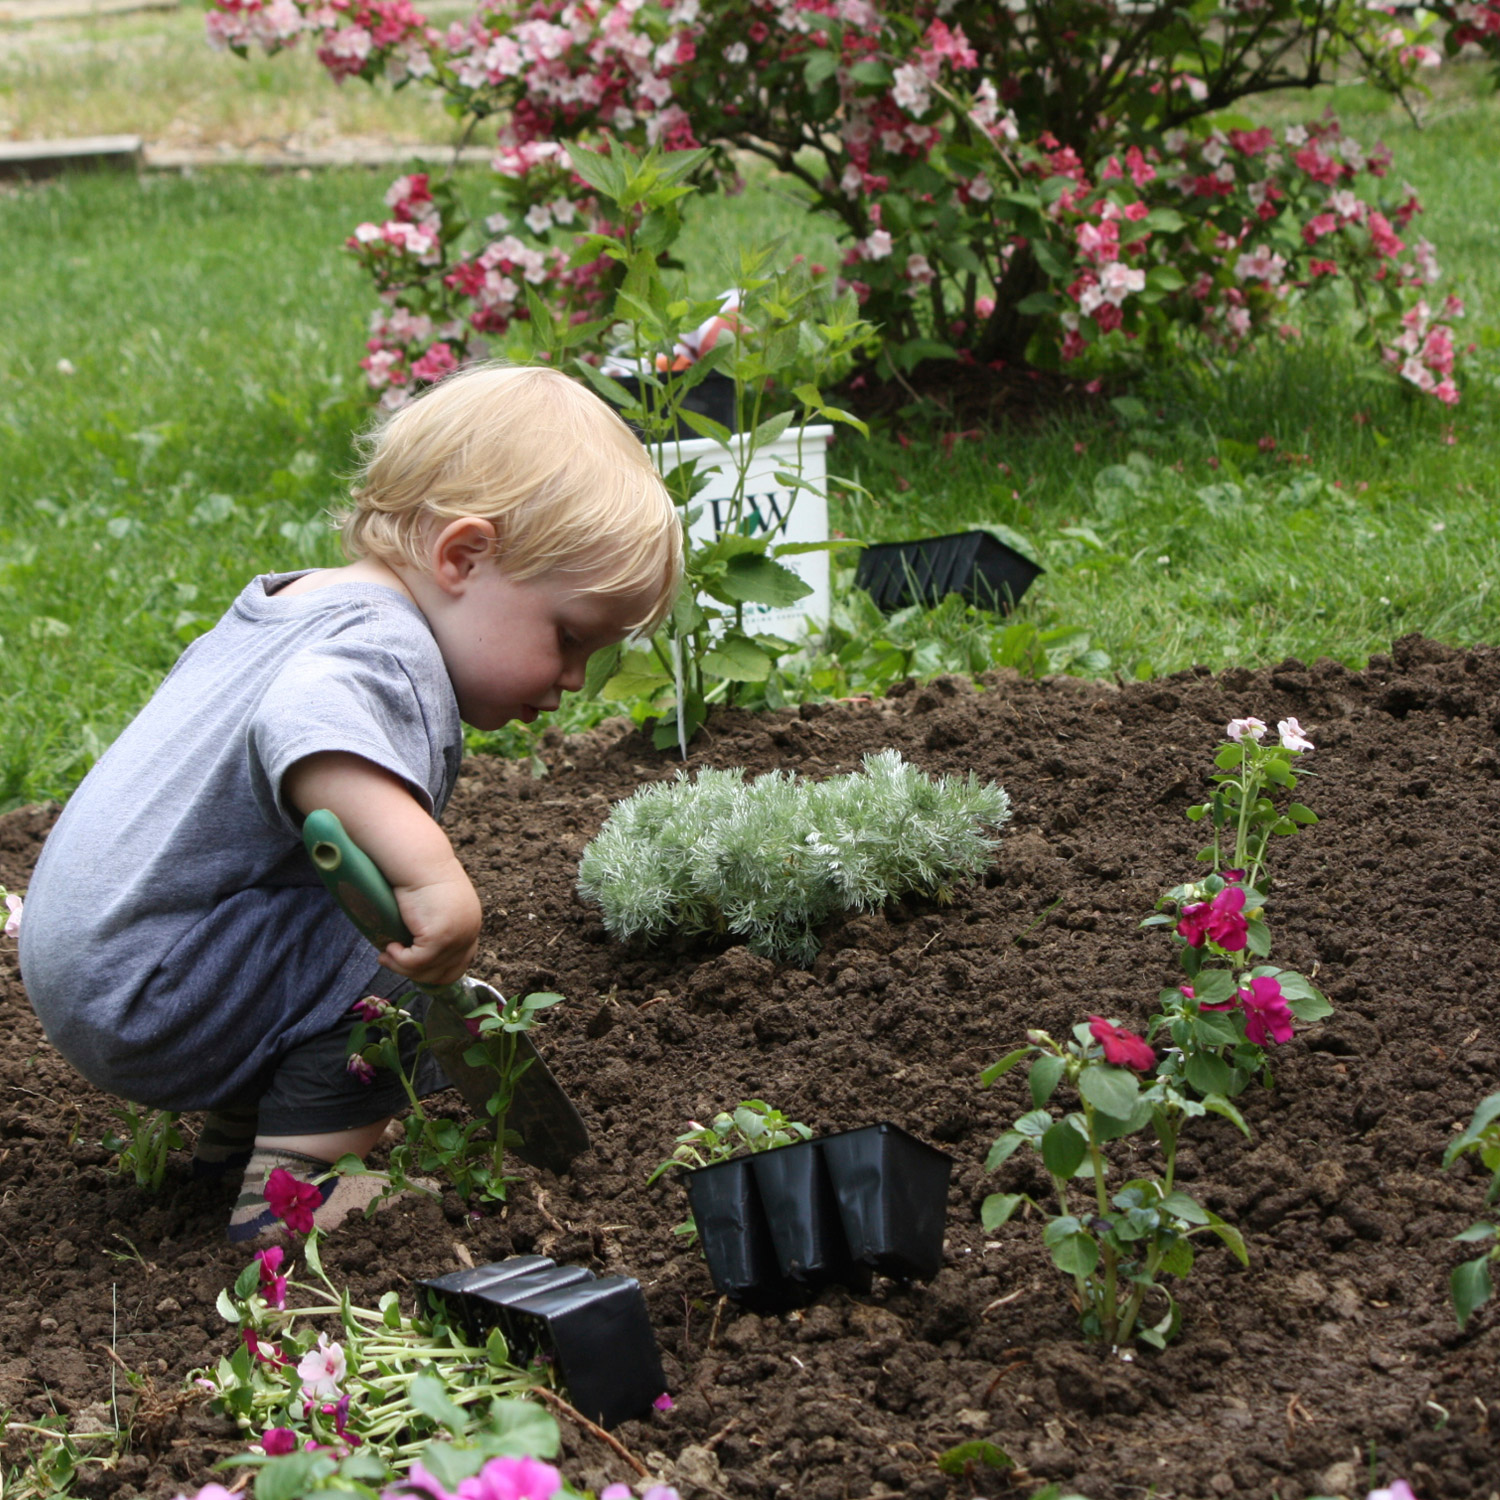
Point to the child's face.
(513, 646)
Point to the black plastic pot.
(712, 397)
(780, 1225)
(736, 1236)
(455, 1298)
(892, 1192)
(973, 564)
(596, 1332)
(599, 1336)
(802, 1211)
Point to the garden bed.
(1335, 1348)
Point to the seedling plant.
(148, 1136)
(470, 1156)
(1471, 1283)
(753, 1125)
(1205, 1044)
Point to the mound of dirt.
(1337, 1343)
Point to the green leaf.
(1471, 1287)
(1231, 1237)
(1217, 1104)
(1209, 1074)
(1037, 304)
(820, 65)
(1475, 1234)
(1063, 1150)
(246, 1282)
(1213, 986)
(961, 1459)
(754, 578)
(1004, 1148)
(1044, 1076)
(602, 666)
(517, 1428)
(225, 1303)
(998, 1207)
(737, 658)
(1300, 814)
(427, 1395)
(1230, 757)
(1006, 1063)
(771, 429)
(312, 1255)
(1178, 1259)
(640, 675)
(293, 1475)
(601, 172)
(1113, 1090)
(1076, 1255)
(1180, 1206)
(871, 73)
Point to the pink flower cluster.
(942, 168)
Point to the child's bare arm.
(436, 897)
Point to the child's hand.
(444, 918)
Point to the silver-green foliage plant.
(770, 859)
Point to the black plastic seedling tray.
(780, 1225)
(973, 564)
(713, 396)
(595, 1332)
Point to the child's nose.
(571, 677)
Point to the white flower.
(1246, 729)
(736, 53)
(66, 367)
(910, 91)
(321, 1370)
(878, 246)
(1295, 135)
(1292, 737)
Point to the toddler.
(178, 946)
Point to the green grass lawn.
(214, 324)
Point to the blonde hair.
(566, 484)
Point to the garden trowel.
(552, 1131)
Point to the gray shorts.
(312, 1091)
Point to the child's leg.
(316, 1111)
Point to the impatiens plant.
(770, 860)
(1114, 1243)
(1471, 1283)
(1068, 181)
(470, 1156)
(383, 1384)
(1205, 1044)
(1234, 1004)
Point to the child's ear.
(458, 548)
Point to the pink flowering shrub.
(1010, 183)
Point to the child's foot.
(225, 1142)
(338, 1197)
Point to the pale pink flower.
(1246, 729)
(1292, 737)
(878, 246)
(322, 1370)
(13, 921)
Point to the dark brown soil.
(1333, 1357)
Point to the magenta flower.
(272, 1286)
(292, 1200)
(1232, 876)
(1121, 1047)
(1267, 1015)
(212, 1492)
(278, 1440)
(360, 1069)
(1399, 1490)
(664, 1402)
(1221, 920)
(512, 1479)
(371, 1008)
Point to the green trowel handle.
(354, 880)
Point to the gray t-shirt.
(176, 939)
